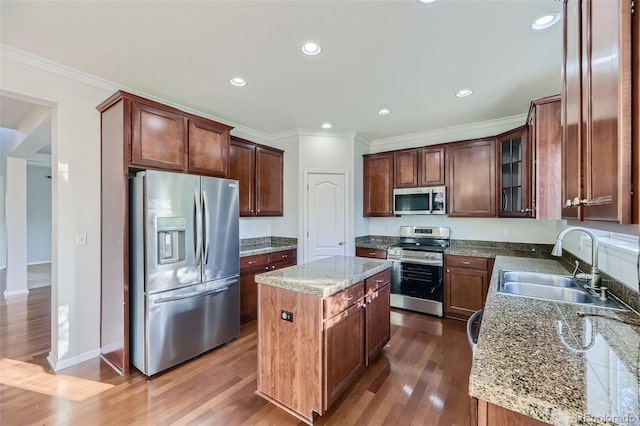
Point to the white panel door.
(326, 215)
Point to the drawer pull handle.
(372, 253)
(285, 256)
(466, 262)
(380, 280)
(251, 262)
(348, 298)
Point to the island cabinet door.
(344, 356)
(378, 321)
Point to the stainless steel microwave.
(427, 200)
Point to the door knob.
(341, 243)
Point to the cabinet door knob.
(251, 210)
(568, 203)
(348, 298)
(258, 210)
(273, 267)
(448, 270)
(266, 268)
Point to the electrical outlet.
(81, 239)
(507, 232)
(286, 315)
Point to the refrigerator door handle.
(198, 225)
(207, 221)
(189, 296)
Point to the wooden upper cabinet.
(378, 185)
(242, 159)
(597, 72)
(406, 169)
(269, 184)
(571, 109)
(515, 198)
(158, 137)
(545, 135)
(208, 148)
(472, 178)
(431, 166)
(259, 169)
(606, 109)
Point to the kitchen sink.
(542, 291)
(538, 278)
(558, 288)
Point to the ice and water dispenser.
(171, 239)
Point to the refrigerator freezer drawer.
(183, 324)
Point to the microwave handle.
(430, 201)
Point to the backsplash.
(622, 291)
(539, 251)
(246, 242)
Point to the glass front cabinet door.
(515, 195)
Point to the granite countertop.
(254, 249)
(324, 277)
(541, 359)
(488, 252)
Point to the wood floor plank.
(420, 378)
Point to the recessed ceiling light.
(326, 125)
(238, 81)
(384, 111)
(462, 93)
(425, 1)
(545, 21)
(311, 49)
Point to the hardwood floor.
(420, 378)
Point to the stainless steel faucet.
(557, 251)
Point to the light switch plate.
(81, 239)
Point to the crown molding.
(450, 134)
(291, 133)
(359, 138)
(22, 57)
(307, 132)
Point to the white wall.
(3, 223)
(287, 225)
(488, 229)
(16, 203)
(361, 224)
(38, 214)
(75, 198)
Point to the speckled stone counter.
(378, 242)
(324, 277)
(499, 248)
(265, 248)
(540, 359)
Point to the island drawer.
(249, 262)
(481, 263)
(369, 252)
(378, 280)
(340, 301)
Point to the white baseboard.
(32, 286)
(58, 365)
(38, 263)
(9, 294)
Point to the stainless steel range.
(417, 277)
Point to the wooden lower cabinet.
(466, 284)
(305, 363)
(344, 357)
(369, 252)
(252, 265)
(494, 415)
(378, 321)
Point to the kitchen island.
(540, 361)
(319, 325)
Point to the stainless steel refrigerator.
(184, 267)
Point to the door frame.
(348, 225)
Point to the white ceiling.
(401, 54)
